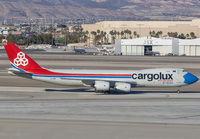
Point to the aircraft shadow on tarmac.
(150, 92)
(68, 90)
(167, 92)
(114, 92)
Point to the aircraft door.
(176, 76)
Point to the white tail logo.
(21, 60)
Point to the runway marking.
(189, 116)
(89, 99)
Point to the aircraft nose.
(190, 79)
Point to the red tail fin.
(19, 59)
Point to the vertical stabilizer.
(19, 59)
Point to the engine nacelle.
(102, 86)
(126, 87)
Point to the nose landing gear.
(178, 90)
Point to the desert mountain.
(118, 9)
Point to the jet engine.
(102, 86)
(126, 87)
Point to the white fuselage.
(161, 77)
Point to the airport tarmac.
(33, 109)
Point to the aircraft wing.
(91, 82)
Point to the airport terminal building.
(163, 46)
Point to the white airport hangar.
(189, 47)
(142, 46)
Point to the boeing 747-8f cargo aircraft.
(101, 80)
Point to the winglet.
(19, 59)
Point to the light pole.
(65, 36)
(140, 25)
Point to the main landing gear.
(103, 91)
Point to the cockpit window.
(184, 71)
